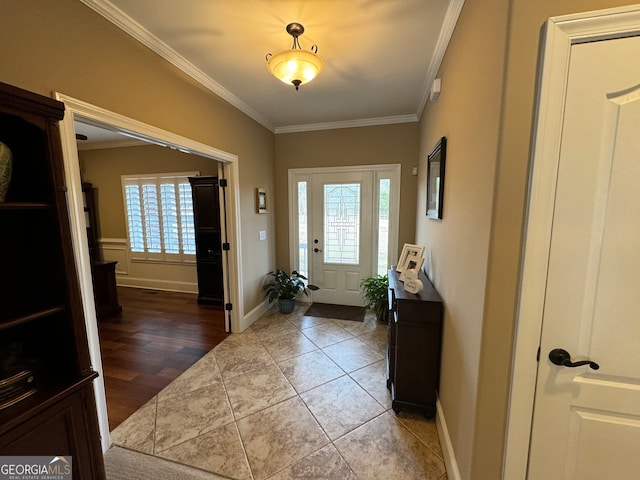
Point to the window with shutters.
(159, 211)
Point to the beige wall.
(467, 113)
(64, 46)
(485, 109)
(346, 147)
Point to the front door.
(341, 235)
(586, 422)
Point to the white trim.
(257, 312)
(448, 25)
(450, 462)
(142, 35)
(364, 122)
(153, 284)
(561, 34)
(92, 114)
(304, 174)
(117, 17)
(116, 249)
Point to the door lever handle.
(561, 357)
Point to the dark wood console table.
(414, 345)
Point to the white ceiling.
(381, 56)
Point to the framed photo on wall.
(262, 200)
(435, 179)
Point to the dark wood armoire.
(206, 209)
(47, 404)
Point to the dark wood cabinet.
(43, 337)
(103, 273)
(414, 345)
(206, 209)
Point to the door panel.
(586, 422)
(341, 229)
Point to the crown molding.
(99, 145)
(116, 16)
(365, 122)
(448, 25)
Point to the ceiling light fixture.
(295, 66)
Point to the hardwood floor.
(157, 336)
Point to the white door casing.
(91, 113)
(378, 235)
(580, 238)
(586, 422)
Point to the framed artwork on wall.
(435, 179)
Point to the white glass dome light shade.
(295, 66)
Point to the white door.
(586, 422)
(341, 235)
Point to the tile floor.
(292, 397)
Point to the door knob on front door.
(561, 357)
(316, 250)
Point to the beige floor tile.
(242, 359)
(219, 451)
(273, 328)
(377, 339)
(203, 373)
(356, 329)
(289, 346)
(248, 337)
(341, 406)
(422, 427)
(373, 378)
(327, 334)
(383, 448)
(137, 431)
(352, 354)
(266, 404)
(185, 417)
(305, 322)
(279, 436)
(257, 390)
(325, 464)
(310, 370)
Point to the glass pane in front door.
(342, 223)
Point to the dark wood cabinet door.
(206, 209)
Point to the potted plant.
(285, 288)
(375, 290)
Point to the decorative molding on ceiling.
(141, 34)
(448, 25)
(365, 122)
(117, 17)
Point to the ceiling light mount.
(295, 66)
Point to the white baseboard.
(453, 472)
(254, 315)
(152, 284)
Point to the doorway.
(78, 110)
(343, 227)
(577, 273)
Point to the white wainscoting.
(155, 276)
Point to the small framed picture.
(435, 179)
(262, 200)
(408, 250)
(414, 262)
